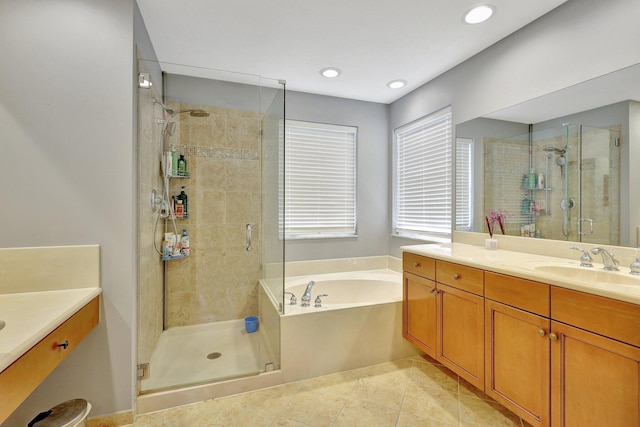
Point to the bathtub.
(359, 323)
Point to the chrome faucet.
(585, 259)
(306, 297)
(634, 268)
(608, 258)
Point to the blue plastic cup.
(251, 324)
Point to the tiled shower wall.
(219, 280)
(150, 268)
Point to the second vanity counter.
(31, 316)
(619, 285)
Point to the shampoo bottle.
(186, 250)
(185, 205)
(182, 166)
(174, 161)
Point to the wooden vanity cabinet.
(419, 317)
(595, 377)
(517, 345)
(443, 315)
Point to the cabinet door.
(419, 313)
(518, 361)
(594, 380)
(461, 328)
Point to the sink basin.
(590, 275)
(2, 324)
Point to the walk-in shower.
(191, 309)
(560, 182)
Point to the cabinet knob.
(456, 277)
(541, 332)
(553, 336)
(434, 291)
(416, 264)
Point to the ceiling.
(371, 41)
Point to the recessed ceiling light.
(397, 84)
(479, 14)
(330, 72)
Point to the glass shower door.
(599, 208)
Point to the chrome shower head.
(192, 113)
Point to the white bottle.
(168, 164)
(184, 241)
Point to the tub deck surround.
(531, 266)
(41, 290)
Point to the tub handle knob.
(318, 303)
(293, 300)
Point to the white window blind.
(423, 187)
(320, 180)
(464, 189)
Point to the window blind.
(423, 177)
(320, 180)
(464, 189)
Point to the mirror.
(561, 166)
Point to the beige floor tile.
(315, 408)
(430, 375)
(468, 390)
(410, 420)
(340, 384)
(477, 412)
(434, 403)
(366, 414)
(287, 422)
(387, 391)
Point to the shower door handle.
(248, 241)
(580, 221)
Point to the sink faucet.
(634, 268)
(585, 259)
(607, 258)
(306, 297)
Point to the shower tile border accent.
(217, 153)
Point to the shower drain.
(213, 356)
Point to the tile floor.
(409, 392)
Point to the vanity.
(556, 343)
(49, 302)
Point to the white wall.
(372, 174)
(562, 48)
(66, 111)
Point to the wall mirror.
(561, 166)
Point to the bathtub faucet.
(306, 297)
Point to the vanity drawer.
(26, 373)
(615, 319)
(520, 293)
(419, 265)
(461, 277)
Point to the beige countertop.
(619, 285)
(31, 316)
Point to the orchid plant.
(496, 216)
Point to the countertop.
(31, 316)
(524, 265)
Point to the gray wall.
(66, 110)
(372, 175)
(560, 49)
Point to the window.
(320, 180)
(464, 191)
(423, 181)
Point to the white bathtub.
(359, 323)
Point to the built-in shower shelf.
(172, 257)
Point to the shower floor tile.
(187, 354)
